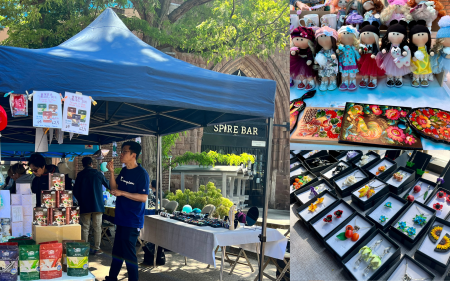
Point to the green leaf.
(366, 111)
(406, 196)
(410, 164)
(340, 113)
(334, 121)
(341, 236)
(391, 122)
(425, 195)
(383, 107)
(403, 119)
(320, 113)
(337, 130)
(420, 172)
(323, 134)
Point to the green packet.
(29, 262)
(77, 259)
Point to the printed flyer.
(77, 112)
(47, 110)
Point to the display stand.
(56, 233)
(64, 277)
(293, 191)
(310, 154)
(304, 195)
(305, 215)
(424, 184)
(420, 161)
(373, 158)
(398, 205)
(410, 266)
(366, 203)
(316, 170)
(345, 190)
(386, 263)
(321, 228)
(355, 159)
(330, 172)
(433, 199)
(388, 163)
(340, 249)
(407, 216)
(397, 187)
(426, 253)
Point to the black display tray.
(323, 172)
(293, 196)
(431, 276)
(343, 156)
(407, 241)
(356, 244)
(385, 227)
(386, 264)
(435, 191)
(302, 154)
(430, 192)
(426, 259)
(316, 170)
(367, 204)
(405, 183)
(377, 157)
(445, 175)
(319, 213)
(347, 191)
(314, 182)
(420, 160)
(386, 173)
(335, 153)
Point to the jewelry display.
(300, 181)
(438, 206)
(365, 253)
(313, 206)
(319, 163)
(328, 219)
(444, 245)
(383, 219)
(364, 160)
(375, 261)
(381, 169)
(435, 232)
(388, 205)
(441, 194)
(398, 176)
(350, 180)
(315, 190)
(407, 277)
(351, 154)
(410, 231)
(368, 190)
(339, 168)
(338, 214)
(420, 219)
(351, 232)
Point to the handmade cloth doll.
(441, 60)
(395, 56)
(426, 10)
(368, 68)
(353, 17)
(302, 57)
(326, 59)
(420, 46)
(371, 10)
(348, 55)
(339, 7)
(397, 10)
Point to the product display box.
(414, 269)
(344, 187)
(23, 188)
(56, 182)
(426, 253)
(339, 245)
(364, 202)
(372, 158)
(425, 189)
(65, 199)
(73, 215)
(407, 216)
(310, 154)
(335, 169)
(305, 214)
(439, 201)
(419, 160)
(315, 165)
(381, 208)
(16, 199)
(294, 191)
(376, 168)
(398, 186)
(59, 216)
(41, 216)
(56, 233)
(354, 266)
(344, 156)
(48, 199)
(321, 228)
(306, 194)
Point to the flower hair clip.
(441, 194)
(381, 169)
(350, 180)
(388, 205)
(398, 176)
(438, 206)
(383, 219)
(338, 214)
(328, 219)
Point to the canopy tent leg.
(160, 168)
(265, 194)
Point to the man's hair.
(37, 160)
(134, 147)
(154, 183)
(87, 161)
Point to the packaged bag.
(77, 259)
(50, 260)
(29, 262)
(9, 262)
(19, 105)
(64, 257)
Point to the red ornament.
(417, 189)
(441, 194)
(349, 233)
(438, 206)
(448, 199)
(3, 119)
(355, 237)
(338, 213)
(328, 218)
(410, 198)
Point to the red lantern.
(3, 119)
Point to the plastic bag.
(19, 105)
(77, 259)
(29, 262)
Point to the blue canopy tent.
(140, 90)
(22, 151)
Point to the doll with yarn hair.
(368, 38)
(395, 55)
(326, 59)
(441, 60)
(426, 10)
(348, 53)
(371, 10)
(302, 57)
(354, 17)
(339, 7)
(397, 10)
(420, 46)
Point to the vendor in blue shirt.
(131, 189)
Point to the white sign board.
(47, 110)
(259, 143)
(77, 112)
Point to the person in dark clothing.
(19, 175)
(88, 190)
(154, 191)
(37, 165)
(131, 188)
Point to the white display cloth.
(89, 277)
(200, 242)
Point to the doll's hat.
(419, 26)
(304, 32)
(348, 28)
(444, 30)
(397, 26)
(328, 31)
(367, 27)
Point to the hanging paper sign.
(77, 112)
(19, 105)
(47, 110)
(114, 152)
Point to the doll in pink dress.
(302, 57)
(395, 55)
(397, 10)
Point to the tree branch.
(232, 12)
(184, 8)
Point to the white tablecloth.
(200, 242)
(89, 277)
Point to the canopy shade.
(21, 151)
(139, 90)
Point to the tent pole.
(262, 236)
(160, 168)
(157, 176)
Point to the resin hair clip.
(381, 169)
(369, 190)
(365, 253)
(312, 208)
(388, 205)
(375, 261)
(383, 219)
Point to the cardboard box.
(23, 188)
(56, 233)
(17, 229)
(16, 199)
(28, 210)
(29, 199)
(16, 213)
